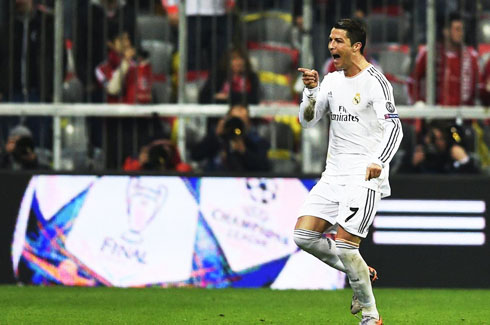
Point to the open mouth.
(335, 56)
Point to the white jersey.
(364, 126)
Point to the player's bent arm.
(392, 137)
(387, 116)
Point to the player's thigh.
(357, 210)
(312, 223)
(321, 203)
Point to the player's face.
(340, 48)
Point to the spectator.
(456, 68)
(233, 145)
(27, 63)
(26, 55)
(209, 30)
(19, 153)
(159, 155)
(126, 75)
(442, 152)
(127, 135)
(265, 5)
(233, 81)
(485, 85)
(98, 22)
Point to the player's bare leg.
(358, 273)
(308, 236)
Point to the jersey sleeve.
(387, 116)
(314, 105)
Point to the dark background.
(398, 266)
(12, 188)
(434, 266)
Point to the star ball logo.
(262, 190)
(390, 107)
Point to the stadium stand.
(155, 38)
(395, 61)
(268, 36)
(387, 29)
(282, 154)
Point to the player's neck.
(359, 63)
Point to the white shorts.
(353, 207)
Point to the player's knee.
(301, 242)
(346, 251)
(342, 253)
(305, 239)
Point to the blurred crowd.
(239, 53)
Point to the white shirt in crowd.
(200, 7)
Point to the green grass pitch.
(64, 305)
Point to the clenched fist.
(373, 171)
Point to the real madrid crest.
(357, 99)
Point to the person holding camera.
(159, 155)
(233, 145)
(442, 151)
(19, 153)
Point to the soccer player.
(365, 132)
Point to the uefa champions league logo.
(143, 203)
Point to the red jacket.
(484, 90)
(457, 76)
(137, 83)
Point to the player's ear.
(357, 46)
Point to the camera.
(234, 128)
(24, 146)
(159, 158)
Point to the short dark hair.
(356, 30)
(453, 16)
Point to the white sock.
(358, 274)
(323, 248)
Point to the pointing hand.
(310, 77)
